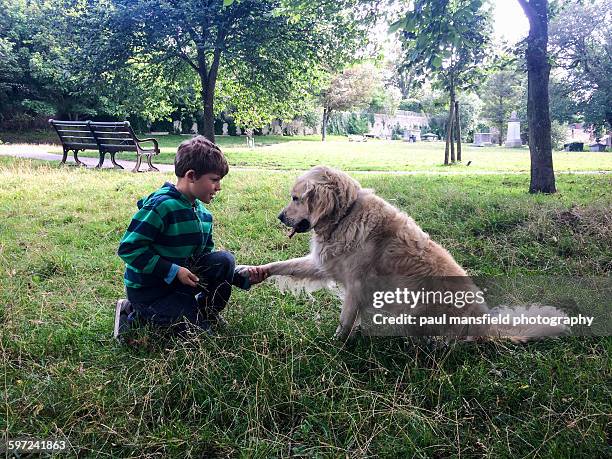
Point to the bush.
(410, 105)
(558, 134)
(357, 124)
(18, 122)
(312, 118)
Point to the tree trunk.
(458, 130)
(449, 130)
(208, 80)
(501, 123)
(538, 116)
(326, 113)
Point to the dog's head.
(320, 197)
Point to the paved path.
(41, 152)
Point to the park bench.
(106, 137)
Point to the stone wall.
(408, 121)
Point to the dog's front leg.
(350, 310)
(302, 268)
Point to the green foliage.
(446, 40)
(258, 60)
(563, 107)
(385, 100)
(558, 133)
(581, 44)
(411, 105)
(358, 124)
(500, 95)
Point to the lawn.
(275, 384)
(287, 153)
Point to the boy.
(172, 273)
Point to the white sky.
(510, 22)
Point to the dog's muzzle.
(301, 227)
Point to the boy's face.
(205, 187)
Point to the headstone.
(276, 128)
(482, 139)
(194, 128)
(513, 137)
(238, 130)
(177, 126)
(598, 147)
(265, 130)
(225, 128)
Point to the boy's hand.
(186, 277)
(256, 274)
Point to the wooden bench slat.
(81, 145)
(88, 137)
(74, 131)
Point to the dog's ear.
(329, 197)
(322, 202)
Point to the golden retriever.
(371, 249)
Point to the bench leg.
(151, 166)
(117, 166)
(138, 161)
(102, 155)
(77, 160)
(64, 157)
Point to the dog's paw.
(341, 334)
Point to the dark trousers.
(179, 304)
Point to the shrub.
(357, 124)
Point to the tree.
(538, 115)
(581, 45)
(282, 40)
(351, 89)
(446, 40)
(500, 98)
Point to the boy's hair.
(201, 155)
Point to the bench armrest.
(155, 144)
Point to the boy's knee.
(224, 262)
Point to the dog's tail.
(529, 322)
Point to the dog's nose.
(281, 217)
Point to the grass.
(276, 384)
(288, 153)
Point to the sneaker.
(214, 318)
(122, 311)
(217, 321)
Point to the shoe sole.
(117, 320)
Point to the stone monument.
(513, 137)
(482, 139)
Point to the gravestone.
(224, 129)
(194, 128)
(177, 126)
(513, 137)
(482, 139)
